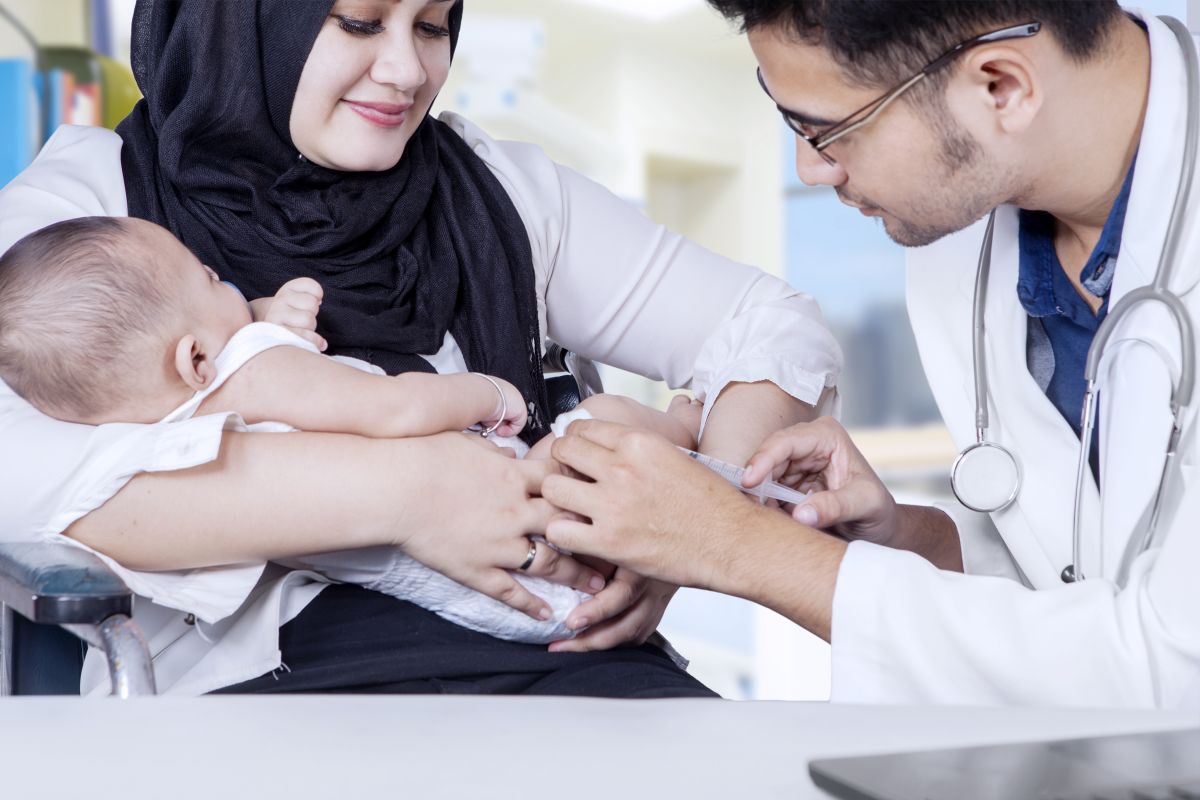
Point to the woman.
(280, 139)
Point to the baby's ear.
(193, 364)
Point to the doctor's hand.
(625, 612)
(295, 307)
(648, 508)
(846, 497)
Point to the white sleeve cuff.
(783, 341)
(795, 381)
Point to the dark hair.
(76, 299)
(879, 42)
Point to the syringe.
(733, 474)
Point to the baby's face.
(215, 310)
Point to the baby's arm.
(680, 423)
(313, 392)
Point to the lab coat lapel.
(1143, 354)
(941, 279)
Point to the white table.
(429, 747)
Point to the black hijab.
(431, 245)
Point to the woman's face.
(368, 83)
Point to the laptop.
(1144, 766)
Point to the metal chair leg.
(129, 667)
(130, 670)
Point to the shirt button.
(190, 619)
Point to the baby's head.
(105, 319)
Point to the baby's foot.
(687, 412)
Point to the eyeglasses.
(821, 139)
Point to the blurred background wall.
(657, 100)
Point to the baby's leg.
(680, 423)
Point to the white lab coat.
(905, 632)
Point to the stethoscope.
(986, 476)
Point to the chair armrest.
(60, 585)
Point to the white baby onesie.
(388, 569)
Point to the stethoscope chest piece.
(985, 477)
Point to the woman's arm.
(278, 495)
(315, 393)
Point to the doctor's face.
(913, 167)
(369, 81)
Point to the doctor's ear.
(193, 364)
(1004, 84)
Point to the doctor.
(1068, 119)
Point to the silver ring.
(530, 557)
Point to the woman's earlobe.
(192, 364)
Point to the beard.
(962, 191)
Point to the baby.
(115, 320)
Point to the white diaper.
(411, 580)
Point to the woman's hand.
(625, 612)
(846, 497)
(474, 520)
(295, 307)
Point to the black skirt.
(351, 639)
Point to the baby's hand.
(295, 307)
(513, 407)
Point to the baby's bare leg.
(681, 425)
